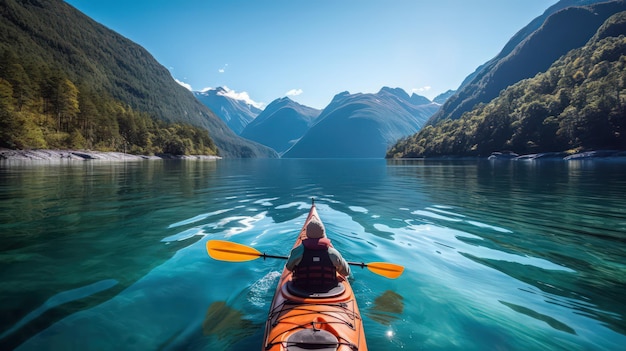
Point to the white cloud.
(294, 92)
(223, 69)
(420, 90)
(186, 85)
(240, 96)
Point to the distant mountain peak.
(286, 102)
(282, 100)
(398, 92)
(281, 124)
(279, 103)
(220, 90)
(341, 95)
(231, 94)
(419, 99)
(233, 108)
(441, 98)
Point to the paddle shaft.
(264, 256)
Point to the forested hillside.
(565, 26)
(578, 103)
(74, 79)
(40, 107)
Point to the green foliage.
(40, 107)
(579, 103)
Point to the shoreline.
(582, 155)
(511, 156)
(88, 155)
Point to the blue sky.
(311, 50)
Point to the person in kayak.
(315, 262)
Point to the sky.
(311, 50)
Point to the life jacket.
(316, 271)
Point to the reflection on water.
(506, 255)
(225, 322)
(387, 308)
(542, 317)
(60, 299)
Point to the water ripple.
(60, 299)
(259, 291)
(198, 218)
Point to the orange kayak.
(299, 320)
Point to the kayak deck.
(302, 320)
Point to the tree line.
(41, 107)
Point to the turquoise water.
(498, 255)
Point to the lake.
(499, 255)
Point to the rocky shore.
(82, 155)
(559, 155)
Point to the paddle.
(234, 252)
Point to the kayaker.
(315, 261)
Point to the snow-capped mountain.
(236, 113)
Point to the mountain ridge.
(281, 124)
(362, 125)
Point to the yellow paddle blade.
(386, 269)
(230, 251)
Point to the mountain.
(443, 97)
(234, 112)
(363, 125)
(54, 34)
(563, 27)
(578, 104)
(281, 124)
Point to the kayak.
(302, 320)
(324, 319)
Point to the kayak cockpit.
(300, 291)
(312, 339)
